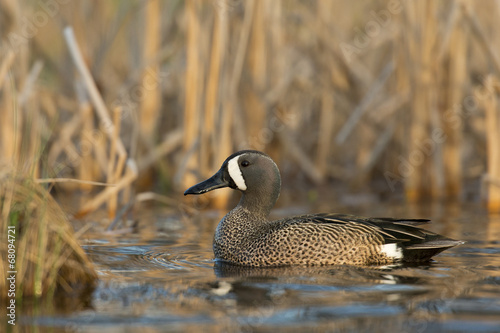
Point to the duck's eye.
(245, 163)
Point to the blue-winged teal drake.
(246, 236)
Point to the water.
(163, 278)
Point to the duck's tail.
(418, 244)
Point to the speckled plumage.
(245, 236)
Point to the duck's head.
(252, 172)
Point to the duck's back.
(325, 239)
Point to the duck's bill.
(212, 183)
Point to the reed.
(454, 78)
(150, 99)
(48, 258)
(490, 98)
(212, 132)
(109, 129)
(421, 182)
(192, 113)
(351, 93)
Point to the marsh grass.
(49, 259)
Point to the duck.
(246, 236)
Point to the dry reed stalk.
(221, 199)
(296, 153)
(9, 141)
(299, 156)
(7, 62)
(481, 36)
(401, 87)
(324, 12)
(70, 180)
(91, 87)
(64, 142)
(112, 173)
(382, 115)
(452, 150)
(134, 140)
(150, 99)
(490, 103)
(100, 198)
(213, 87)
(98, 146)
(193, 90)
(108, 126)
(325, 135)
(276, 44)
(30, 126)
(378, 148)
(365, 103)
(455, 16)
(222, 144)
(31, 143)
(151, 196)
(9, 17)
(278, 76)
(120, 158)
(257, 50)
(420, 183)
(47, 101)
(29, 82)
(85, 159)
(255, 109)
(382, 118)
(388, 108)
(366, 154)
(120, 163)
(229, 104)
(171, 142)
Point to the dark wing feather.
(418, 244)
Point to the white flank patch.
(392, 250)
(235, 173)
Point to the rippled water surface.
(163, 278)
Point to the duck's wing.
(417, 244)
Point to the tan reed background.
(382, 96)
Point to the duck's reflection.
(336, 274)
(397, 284)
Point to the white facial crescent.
(235, 173)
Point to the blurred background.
(367, 107)
(394, 99)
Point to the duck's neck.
(257, 208)
(259, 203)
